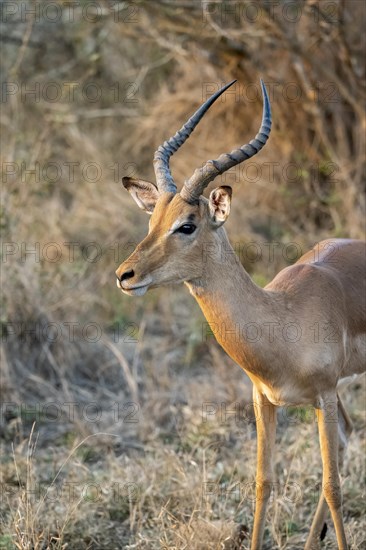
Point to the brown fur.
(296, 339)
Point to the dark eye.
(186, 228)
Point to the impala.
(325, 288)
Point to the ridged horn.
(164, 179)
(194, 187)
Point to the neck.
(240, 314)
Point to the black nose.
(127, 275)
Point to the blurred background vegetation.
(89, 91)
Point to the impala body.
(298, 339)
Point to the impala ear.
(143, 192)
(219, 204)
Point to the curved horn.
(194, 187)
(164, 179)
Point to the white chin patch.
(135, 291)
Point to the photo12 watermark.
(234, 13)
(289, 492)
(71, 332)
(89, 412)
(240, 413)
(69, 11)
(73, 492)
(289, 91)
(69, 92)
(270, 332)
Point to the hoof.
(323, 532)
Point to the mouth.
(133, 290)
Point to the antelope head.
(183, 223)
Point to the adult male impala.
(324, 288)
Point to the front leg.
(266, 418)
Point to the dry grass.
(174, 479)
(105, 443)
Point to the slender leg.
(321, 513)
(266, 434)
(344, 431)
(328, 435)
